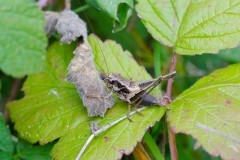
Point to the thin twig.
(170, 81)
(12, 95)
(162, 145)
(67, 4)
(171, 135)
(85, 146)
(104, 129)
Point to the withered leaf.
(70, 26)
(67, 24)
(51, 21)
(82, 73)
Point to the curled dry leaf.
(70, 26)
(81, 70)
(82, 73)
(51, 21)
(67, 23)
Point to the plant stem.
(172, 144)
(82, 8)
(171, 135)
(68, 4)
(12, 95)
(170, 81)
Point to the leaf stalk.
(171, 134)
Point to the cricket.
(136, 93)
(95, 95)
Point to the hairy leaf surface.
(50, 103)
(210, 112)
(119, 10)
(190, 26)
(52, 107)
(22, 38)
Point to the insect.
(135, 93)
(83, 74)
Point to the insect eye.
(110, 81)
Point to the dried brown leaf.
(51, 21)
(82, 73)
(67, 23)
(70, 26)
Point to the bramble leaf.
(190, 26)
(23, 40)
(119, 10)
(50, 103)
(52, 107)
(210, 112)
(6, 144)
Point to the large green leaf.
(210, 112)
(52, 107)
(23, 40)
(119, 10)
(6, 144)
(191, 26)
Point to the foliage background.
(148, 53)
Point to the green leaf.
(5, 156)
(27, 151)
(119, 10)
(50, 103)
(23, 40)
(52, 107)
(232, 55)
(190, 26)
(6, 144)
(210, 112)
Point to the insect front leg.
(128, 114)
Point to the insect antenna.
(90, 24)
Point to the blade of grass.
(157, 58)
(152, 147)
(82, 8)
